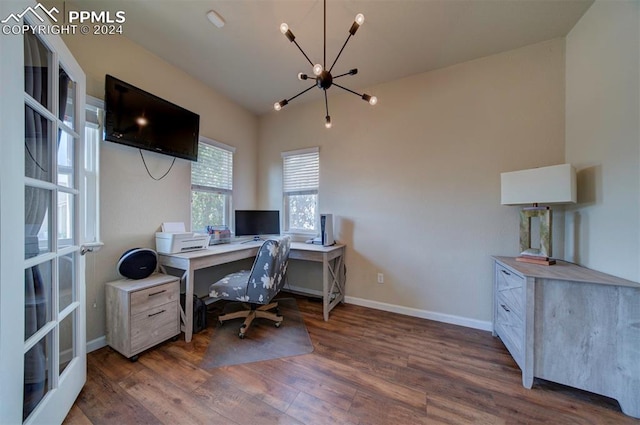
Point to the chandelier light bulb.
(327, 121)
(284, 28)
(360, 18)
(277, 106)
(317, 69)
(302, 76)
(373, 101)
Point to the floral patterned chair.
(256, 287)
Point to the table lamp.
(545, 185)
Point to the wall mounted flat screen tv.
(257, 222)
(140, 119)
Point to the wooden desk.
(331, 257)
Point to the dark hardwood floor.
(368, 367)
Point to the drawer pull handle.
(157, 293)
(505, 272)
(162, 311)
(504, 307)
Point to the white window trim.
(300, 152)
(217, 144)
(228, 193)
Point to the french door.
(43, 223)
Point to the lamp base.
(543, 261)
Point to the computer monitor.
(257, 222)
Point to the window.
(211, 185)
(94, 128)
(301, 179)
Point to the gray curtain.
(37, 201)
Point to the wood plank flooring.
(368, 367)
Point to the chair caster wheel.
(277, 324)
(241, 335)
(133, 359)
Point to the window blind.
(301, 171)
(214, 170)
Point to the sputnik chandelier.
(323, 78)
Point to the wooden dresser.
(142, 313)
(571, 325)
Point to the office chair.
(256, 287)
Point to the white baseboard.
(407, 311)
(424, 314)
(96, 344)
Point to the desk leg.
(188, 305)
(333, 283)
(326, 295)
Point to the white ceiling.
(252, 63)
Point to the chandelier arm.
(302, 51)
(326, 102)
(342, 75)
(346, 89)
(340, 52)
(302, 92)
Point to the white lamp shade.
(544, 185)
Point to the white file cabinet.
(142, 313)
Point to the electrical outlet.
(380, 278)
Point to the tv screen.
(257, 222)
(137, 118)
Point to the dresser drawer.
(510, 287)
(510, 328)
(149, 298)
(153, 326)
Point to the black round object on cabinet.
(138, 263)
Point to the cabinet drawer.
(511, 287)
(510, 327)
(154, 326)
(149, 298)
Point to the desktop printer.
(173, 239)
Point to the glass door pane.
(37, 221)
(37, 145)
(67, 353)
(66, 208)
(37, 60)
(66, 281)
(37, 382)
(37, 298)
(67, 96)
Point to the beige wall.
(603, 138)
(132, 205)
(414, 183)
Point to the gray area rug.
(262, 341)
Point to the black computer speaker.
(138, 263)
